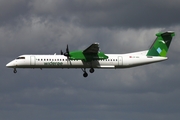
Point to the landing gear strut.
(15, 71)
(85, 73)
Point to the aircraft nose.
(10, 64)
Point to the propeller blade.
(61, 52)
(67, 49)
(67, 52)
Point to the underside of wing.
(92, 49)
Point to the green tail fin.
(161, 44)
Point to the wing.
(92, 49)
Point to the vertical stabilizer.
(161, 44)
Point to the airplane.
(92, 58)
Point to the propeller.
(67, 52)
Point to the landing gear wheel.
(85, 74)
(91, 70)
(15, 71)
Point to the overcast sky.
(150, 92)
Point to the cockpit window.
(20, 58)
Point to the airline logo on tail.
(161, 44)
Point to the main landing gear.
(85, 74)
(15, 71)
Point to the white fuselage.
(60, 61)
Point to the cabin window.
(47, 59)
(44, 59)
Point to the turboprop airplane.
(92, 58)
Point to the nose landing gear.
(15, 71)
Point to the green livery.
(161, 44)
(88, 55)
(80, 55)
(53, 63)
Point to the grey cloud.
(12, 9)
(118, 14)
(96, 13)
